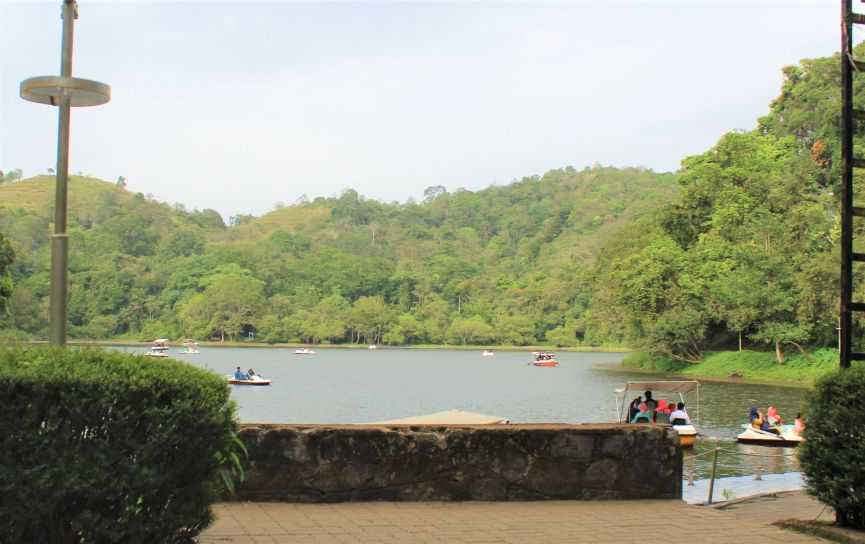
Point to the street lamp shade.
(49, 89)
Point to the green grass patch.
(752, 365)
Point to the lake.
(360, 385)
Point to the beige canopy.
(448, 417)
(669, 387)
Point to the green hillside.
(37, 193)
(498, 265)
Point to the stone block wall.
(339, 463)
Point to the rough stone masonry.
(341, 463)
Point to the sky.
(240, 106)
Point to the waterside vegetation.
(745, 365)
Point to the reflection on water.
(359, 385)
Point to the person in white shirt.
(680, 413)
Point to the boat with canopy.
(159, 348)
(687, 432)
(544, 358)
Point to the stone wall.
(338, 463)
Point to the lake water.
(360, 385)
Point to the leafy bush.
(832, 455)
(102, 446)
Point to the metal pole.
(60, 240)
(714, 467)
(846, 182)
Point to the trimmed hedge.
(833, 453)
(103, 446)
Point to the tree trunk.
(801, 349)
(778, 351)
(740, 340)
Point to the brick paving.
(542, 522)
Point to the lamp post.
(66, 92)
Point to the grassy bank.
(752, 365)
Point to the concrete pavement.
(541, 522)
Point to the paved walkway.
(539, 522)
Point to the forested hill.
(502, 265)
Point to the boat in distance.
(304, 351)
(787, 439)
(489, 353)
(544, 358)
(159, 348)
(190, 347)
(253, 380)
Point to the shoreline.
(724, 379)
(133, 343)
(759, 367)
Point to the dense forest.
(502, 265)
(737, 247)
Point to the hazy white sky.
(238, 105)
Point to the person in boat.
(774, 420)
(679, 416)
(755, 417)
(642, 415)
(250, 375)
(662, 414)
(634, 407)
(773, 417)
(798, 425)
(759, 422)
(238, 374)
(651, 403)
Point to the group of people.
(239, 374)
(657, 411)
(772, 421)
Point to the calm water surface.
(359, 385)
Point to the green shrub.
(102, 446)
(833, 453)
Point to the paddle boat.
(159, 348)
(488, 353)
(253, 380)
(372, 346)
(787, 439)
(544, 358)
(190, 347)
(304, 351)
(687, 431)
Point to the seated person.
(251, 373)
(679, 416)
(774, 420)
(662, 414)
(773, 417)
(798, 425)
(238, 374)
(633, 408)
(651, 404)
(643, 415)
(755, 417)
